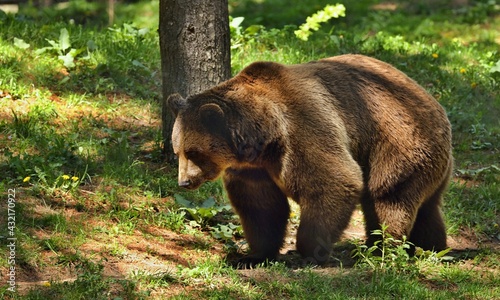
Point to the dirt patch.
(155, 250)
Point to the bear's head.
(236, 124)
(200, 139)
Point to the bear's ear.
(176, 103)
(212, 116)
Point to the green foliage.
(275, 13)
(90, 284)
(313, 22)
(478, 11)
(495, 68)
(59, 152)
(481, 202)
(155, 280)
(390, 255)
(62, 48)
(19, 43)
(87, 107)
(387, 254)
(203, 214)
(97, 61)
(226, 232)
(172, 219)
(63, 182)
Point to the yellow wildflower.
(65, 177)
(462, 70)
(473, 85)
(26, 179)
(435, 55)
(74, 178)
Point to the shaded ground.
(155, 250)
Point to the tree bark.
(195, 51)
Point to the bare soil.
(155, 250)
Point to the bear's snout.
(185, 183)
(190, 184)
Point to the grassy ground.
(98, 214)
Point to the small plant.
(172, 219)
(225, 232)
(392, 255)
(21, 44)
(387, 253)
(23, 126)
(433, 256)
(65, 183)
(62, 47)
(154, 280)
(313, 22)
(236, 32)
(496, 67)
(240, 36)
(203, 213)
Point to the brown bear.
(329, 134)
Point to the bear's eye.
(192, 154)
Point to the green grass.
(95, 204)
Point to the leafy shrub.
(202, 214)
(390, 255)
(313, 22)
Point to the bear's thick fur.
(329, 134)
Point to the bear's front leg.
(263, 211)
(320, 227)
(327, 197)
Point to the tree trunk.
(195, 51)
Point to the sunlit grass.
(99, 122)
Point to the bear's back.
(349, 82)
(363, 103)
(377, 95)
(358, 78)
(355, 99)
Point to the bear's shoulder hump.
(262, 70)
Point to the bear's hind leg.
(429, 231)
(407, 212)
(263, 210)
(397, 218)
(395, 206)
